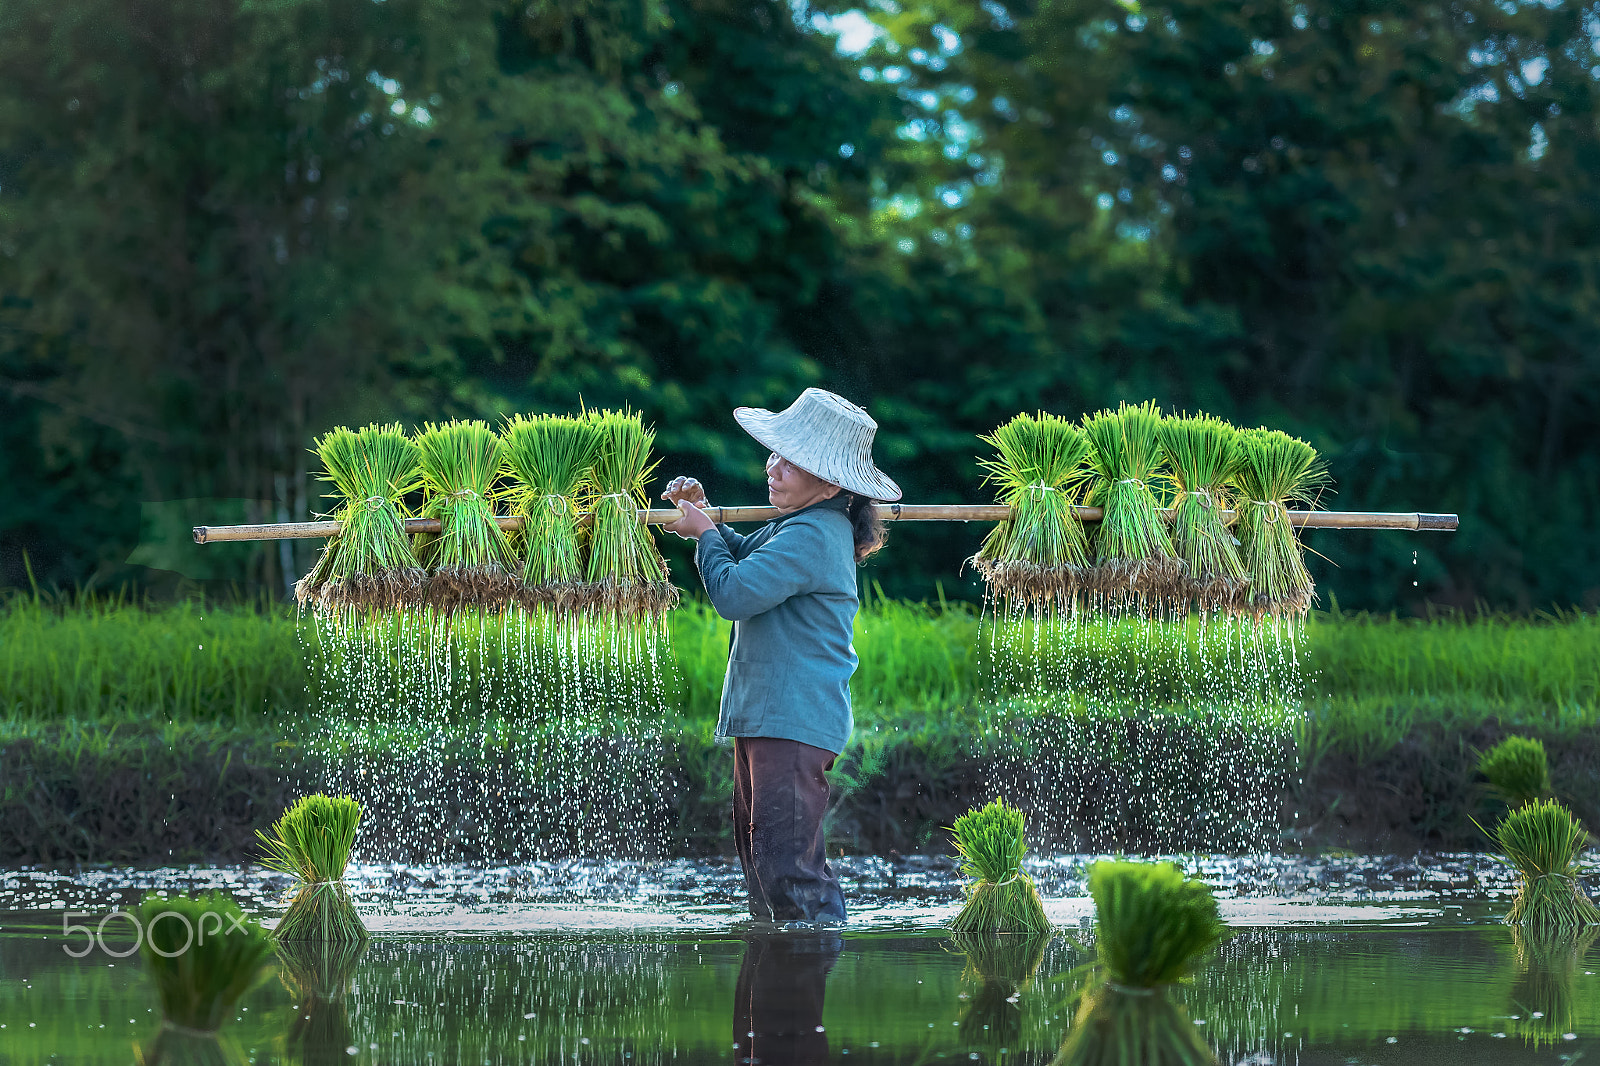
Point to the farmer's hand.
(686, 489)
(690, 497)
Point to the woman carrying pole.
(790, 590)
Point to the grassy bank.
(1371, 680)
(119, 721)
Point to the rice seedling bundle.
(626, 573)
(203, 955)
(1133, 554)
(371, 563)
(1543, 840)
(307, 588)
(1201, 454)
(1152, 926)
(551, 458)
(1036, 557)
(1001, 898)
(1275, 470)
(312, 842)
(470, 560)
(1518, 770)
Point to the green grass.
(1374, 680)
(89, 659)
(1548, 661)
(1379, 679)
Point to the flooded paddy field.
(1341, 960)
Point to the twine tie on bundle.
(557, 502)
(464, 494)
(1272, 505)
(1131, 481)
(1129, 990)
(1041, 488)
(1204, 495)
(1014, 877)
(375, 502)
(1556, 877)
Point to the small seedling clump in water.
(1152, 927)
(203, 955)
(1518, 770)
(1001, 898)
(312, 841)
(1543, 840)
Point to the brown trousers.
(779, 798)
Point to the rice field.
(1153, 734)
(1369, 680)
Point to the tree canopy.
(226, 227)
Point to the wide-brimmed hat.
(826, 435)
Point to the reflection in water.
(175, 1046)
(1116, 1025)
(535, 1001)
(1544, 992)
(1416, 996)
(777, 1006)
(1241, 990)
(1000, 968)
(318, 976)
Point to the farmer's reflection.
(777, 1010)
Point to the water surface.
(605, 963)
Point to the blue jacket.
(790, 590)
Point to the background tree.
(1369, 223)
(225, 228)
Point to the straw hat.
(825, 435)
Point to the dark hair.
(868, 528)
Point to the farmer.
(790, 590)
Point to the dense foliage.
(226, 227)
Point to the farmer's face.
(789, 488)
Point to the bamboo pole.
(890, 512)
